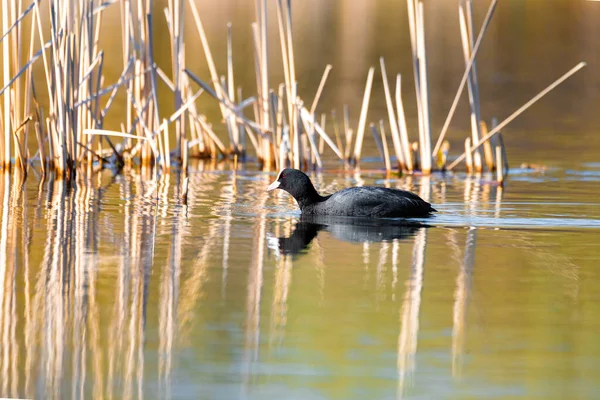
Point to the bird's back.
(374, 202)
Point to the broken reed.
(283, 132)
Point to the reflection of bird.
(298, 241)
(368, 201)
(347, 229)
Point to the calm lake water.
(114, 289)
(111, 288)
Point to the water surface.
(112, 288)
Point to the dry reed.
(519, 111)
(72, 138)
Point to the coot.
(367, 201)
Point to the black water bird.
(365, 201)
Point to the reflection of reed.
(498, 204)
(461, 301)
(145, 228)
(411, 303)
(34, 318)
(86, 314)
(117, 326)
(395, 248)
(16, 202)
(320, 265)
(283, 279)
(193, 287)
(8, 270)
(227, 229)
(126, 333)
(4, 187)
(20, 258)
(479, 191)
(60, 352)
(169, 298)
(53, 269)
(365, 255)
(383, 254)
(30, 348)
(63, 312)
(472, 192)
(255, 283)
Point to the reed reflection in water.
(111, 304)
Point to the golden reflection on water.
(411, 303)
(254, 296)
(100, 294)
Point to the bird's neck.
(309, 198)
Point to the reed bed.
(284, 130)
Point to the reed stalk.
(469, 160)
(500, 142)
(207, 53)
(336, 131)
(408, 158)
(518, 112)
(386, 152)
(284, 20)
(321, 140)
(347, 132)
(471, 83)
(235, 145)
(176, 12)
(305, 114)
(500, 169)
(313, 107)
(264, 79)
(184, 191)
(488, 152)
(363, 117)
(392, 117)
(442, 156)
(461, 86)
(284, 57)
(378, 142)
(425, 132)
(41, 147)
(311, 140)
(166, 157)
(413, 31)
(6, 120)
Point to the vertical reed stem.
(386, 152)
(500, 169)
(363, 117)
(471, 84)
(469, 160)
(392, 117)
(5, 149)
(425, 140)
(408, 159)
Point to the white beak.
(273, 186)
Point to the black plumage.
(366, 201)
